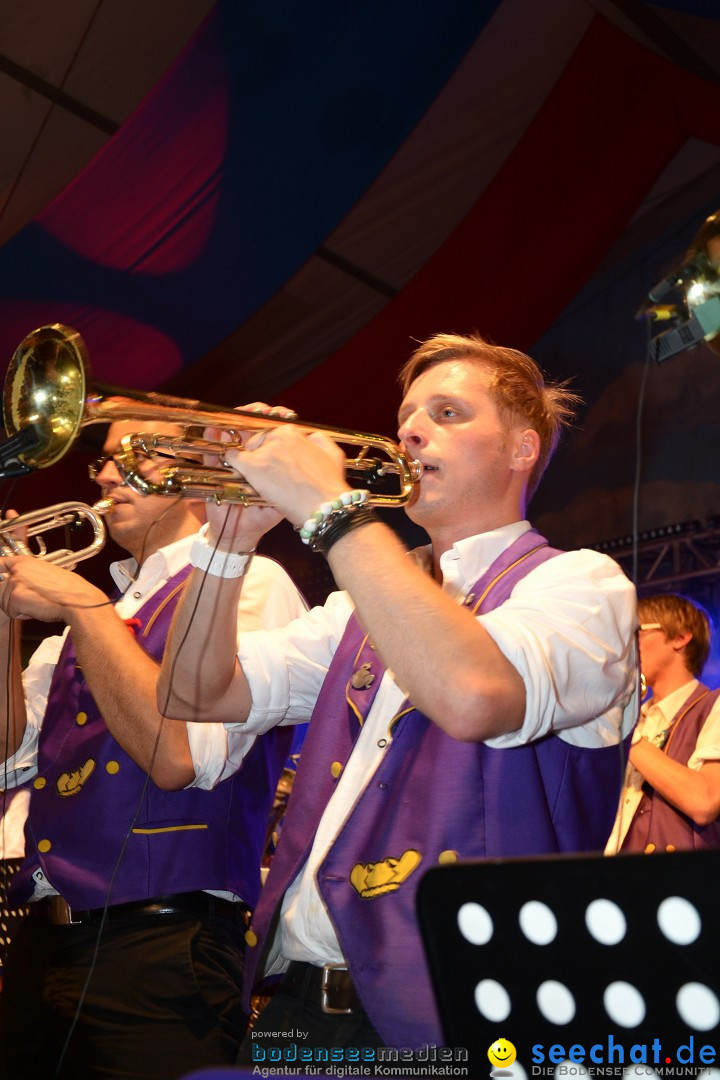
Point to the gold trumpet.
(16, 532)
(45, 389)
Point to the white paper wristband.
(225, 564)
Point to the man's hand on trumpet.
(31, 588)
(233, 527)
(291, 469)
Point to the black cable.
(623, 757)
(128, 834)
(638, 463)
(191, 617)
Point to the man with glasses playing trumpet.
(145, 836)
(467, 702)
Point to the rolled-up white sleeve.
(707, 747)
(269, 600)
(37, 676)
(569, 630)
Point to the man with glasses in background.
(145, 835)
(671, 796)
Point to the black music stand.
(578, 951)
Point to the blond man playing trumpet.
(466, 702)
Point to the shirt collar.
(467, 560)
(672, 703)
(161, 565)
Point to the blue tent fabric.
(266, 131)
(309, 188)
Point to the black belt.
(56, 910)
(330, 987)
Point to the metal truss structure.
(669, 556)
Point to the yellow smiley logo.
(502, 1053)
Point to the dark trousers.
(163, 999)
(311, 1027)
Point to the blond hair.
(517, 387)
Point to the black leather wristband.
(340, 523)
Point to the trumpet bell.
(45, 386)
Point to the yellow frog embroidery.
(374, 879)
(70, 783)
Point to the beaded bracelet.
(347, 519)
(319, 518)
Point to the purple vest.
(657, 824)
(89, 795)
(431, 800)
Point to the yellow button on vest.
(39, 782)
(447, 857)
(112, 767)
(336, 768)
(649, 848)
(81, 718)
(44, 845)
(250, 938)
(670, 847)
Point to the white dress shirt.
(655, 717)
(13, 813)
(568, 629)
(269, 599)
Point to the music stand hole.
(624, 1004)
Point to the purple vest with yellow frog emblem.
(431, 800)
(89, 797)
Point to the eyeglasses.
(96, 467)
(651, 626)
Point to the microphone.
(697, 265)
(27, 438)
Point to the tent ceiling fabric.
(70, 75)
(293, 194)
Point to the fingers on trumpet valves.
(229, 460)
(280, 411)
(283, 413)
(254, 439)
(6, 523)
(239, 437)
(13, 539)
